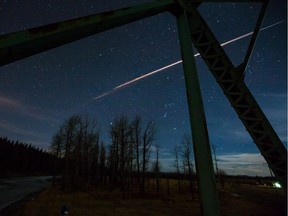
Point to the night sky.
(38, 93)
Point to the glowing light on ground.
(277, 185)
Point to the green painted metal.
(202, 150)
(254, 36)
(231, 81)
(222, 1)
(25, 43)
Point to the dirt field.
(236, 200)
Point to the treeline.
(20, 159)
(122, 163)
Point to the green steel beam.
(202, 150)
(19, 45)
(227, 1)
(254, 36)
(189, 5)
(230, 79)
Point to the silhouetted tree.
(214, 151)
(187, 154)
(156, 167)
(77, 142)
(114, 154)
(86, 160)
(136, 130)
(56, 149)
(121, 153)
(17, 158)
(69, 133)
(177, 150)
(149, 135)
(102, 163)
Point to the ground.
(236, 199)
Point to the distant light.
(277, 185)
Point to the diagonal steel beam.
(254, 36)
(189, 5)
(19, 45)
(223, 1)
(231, 81)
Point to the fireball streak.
(119, 87)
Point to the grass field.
(236, 200)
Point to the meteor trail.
(119, 87)
(135, 80)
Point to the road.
(15, 189)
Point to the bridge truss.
(192, 29)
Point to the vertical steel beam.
(202, 151)
(231, 81)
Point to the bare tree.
(84, 161)
(57, 151)
(93, 157)
(187, 154)
(119, 151)
(69, 130)
(148, 138)
(102, 163)
(114, 154)
(157, 167)
(136, 131)
(87, 151)
(124, 133)
(78, 139)
(177, 150)
(220, 173)
(214, 151)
